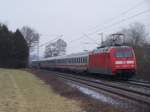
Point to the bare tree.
(49, 49)
(135, 34)
(56, 48)
(30, 35)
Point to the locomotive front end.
(124, 62)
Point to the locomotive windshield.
(124, 53)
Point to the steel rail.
(116, 90)
(139, 83)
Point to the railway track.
(140, 83)
(108, 87)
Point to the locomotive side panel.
(100, 63)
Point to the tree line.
(13, 47)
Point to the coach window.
(83, 60)
(64, 60)
(67, 60)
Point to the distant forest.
(14, 51)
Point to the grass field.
(21, 91)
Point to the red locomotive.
(112, 60)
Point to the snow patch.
(95, 94)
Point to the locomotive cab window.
(124, 53)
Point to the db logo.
(124, 62)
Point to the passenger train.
(113, 60)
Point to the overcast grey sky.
(73, 18)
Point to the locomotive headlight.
(130, 62)
(124, 62)
(118, 62)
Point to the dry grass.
(88, 104)
(20, 91)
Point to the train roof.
(107, 49)
(81, 54)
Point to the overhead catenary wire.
(46, 43)
(113, 24)
(121, 14)
(112, 19)
(123, 20)
(90, 39)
